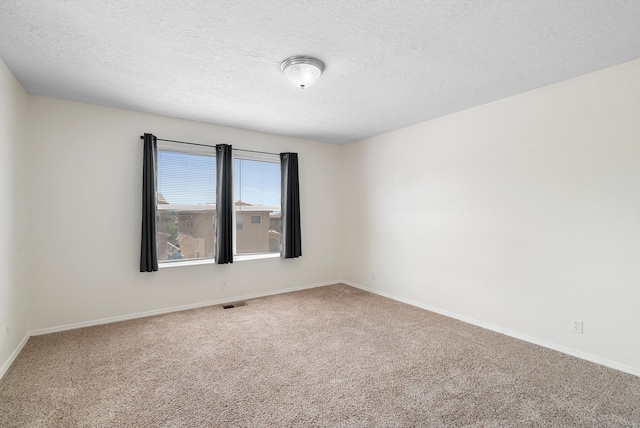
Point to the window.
(257, 195)
(185, 203)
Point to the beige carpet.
(330, 356)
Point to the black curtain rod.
(206, 145)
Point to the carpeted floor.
(329, 356)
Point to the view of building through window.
(187, 209)
(256, 186)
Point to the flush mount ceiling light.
(302, 71)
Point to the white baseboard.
(5, 367)
(593, 358)
(173, 309)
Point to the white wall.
(522, 214)
(14, 295)
(85, 226)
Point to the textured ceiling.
(389, 63)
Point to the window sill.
(212, 261)
(256, 257)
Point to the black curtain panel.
(148, 248)
(290, 194)
(224, 204)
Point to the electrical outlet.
(576, 326)
(373, 276)
(224, 284)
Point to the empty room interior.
(457, 181)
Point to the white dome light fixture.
(302, 71)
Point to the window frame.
(198, 150)
(236, 154)
(252, 156)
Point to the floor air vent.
(234, 305)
